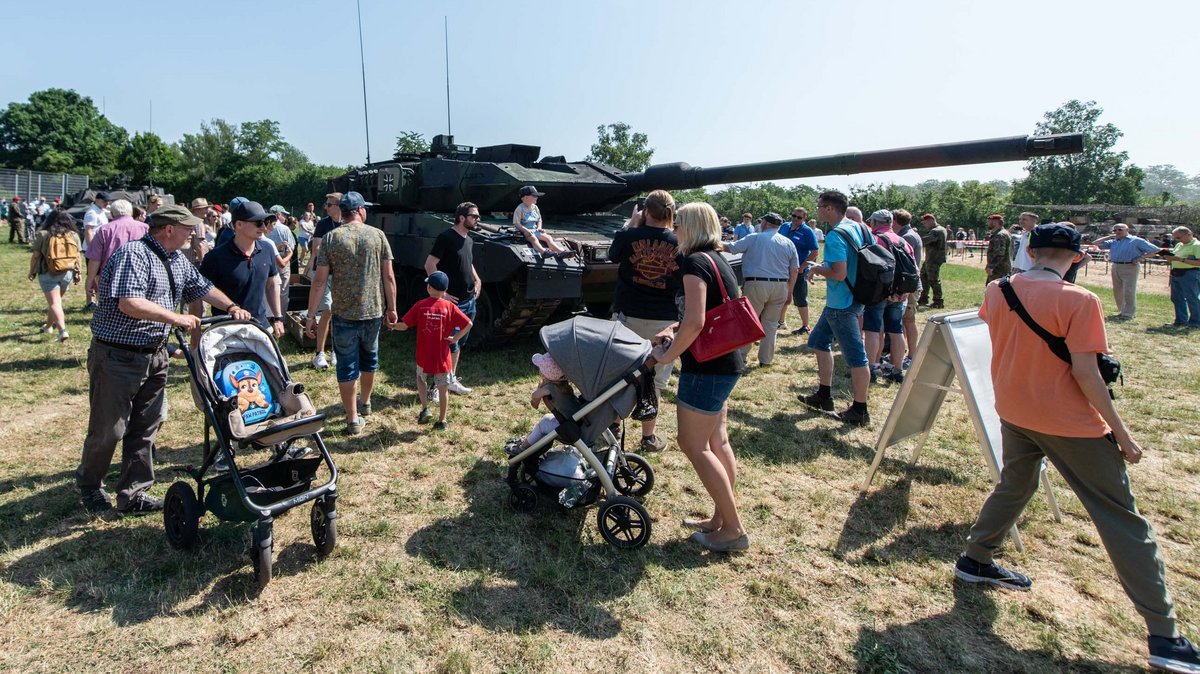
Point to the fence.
(32, 184)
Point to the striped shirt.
(135, 271)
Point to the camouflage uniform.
(931, 266)
(999, 254)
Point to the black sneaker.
(972, 571)
(853, 418)
(424, 416)
(1173, 655)
(141, 504)
(817, 402)
(439, 425)
(652, 443)
(802, 330)
(95, 501)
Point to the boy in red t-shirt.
(436, 319)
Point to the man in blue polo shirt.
(839, 319)
(244, 268)
(1125, 252)
(805, 240)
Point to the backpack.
(62, 254)
(907, 278)
(876, 270)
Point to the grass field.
(434, 573)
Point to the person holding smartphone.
(1185, 278)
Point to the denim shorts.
(466, 306)
(705, 393)
(61, 281)
(356, 344)
(884, 317)
(842, 325)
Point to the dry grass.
(433, 573)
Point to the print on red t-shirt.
(435, 319)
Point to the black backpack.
(908, 277)
(876, 272)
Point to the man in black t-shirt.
(648, 284)
(333, 218)
(452, 254)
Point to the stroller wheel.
(624, 523)
(181, 516)
(324, 526)
(633, 476)
(523, 499)
(261, 547)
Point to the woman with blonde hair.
(705, 387)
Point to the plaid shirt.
(135, 271)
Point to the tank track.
(521, 317)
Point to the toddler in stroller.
(606, 361)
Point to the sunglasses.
(473, 215)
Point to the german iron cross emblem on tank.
(389, 181)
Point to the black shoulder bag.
(1110, 368)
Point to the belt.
(1131, 262)
(153, 348)
(769, 280)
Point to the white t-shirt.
(93, 219)
(1023, 261)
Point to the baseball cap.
(250, 211)
(928, 216)
(548, 367)
(103, 195)
(772, 218)
(438, 280)
(531, 191)
(173, 214)
(352, 201)
(881, 215)
(16, 198)
(279, 209)
(1055, 235)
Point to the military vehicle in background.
(75, 204)
(416, 195)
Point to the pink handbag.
(728, 326)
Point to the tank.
(76, 204)
(416, 196)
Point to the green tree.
(410, 142)
(617, 147)
(1099, 174)
(210, 157)
(147, 160)
(60, 130)
(1164, 184)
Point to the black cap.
(531, 191)
(1055, 235)
(103, 195)
(248, 211)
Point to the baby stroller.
(240, 382)
(606, 362)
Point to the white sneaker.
(46, 328)
(319, 361)
(62, 335)
(456, 387)
(333, 359)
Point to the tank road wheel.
(262, 546)
(624, 523)
(633, 476)
(522, 499)
(181, 516)
(324, 526)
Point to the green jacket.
(1000, 251)
(934, 241)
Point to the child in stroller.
(606, 361)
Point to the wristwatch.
(276, 319)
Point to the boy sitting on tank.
(528, 220)
(435, 319)
(556, 392)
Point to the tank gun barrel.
(684, 176)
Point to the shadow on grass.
(962, 640)
(534, 572)
(777, 440)
(41, 364)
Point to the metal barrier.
(30, 185)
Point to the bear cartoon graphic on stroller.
(605, 361)
(241, 383)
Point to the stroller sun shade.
(595, 355)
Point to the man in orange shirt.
(1063, 412)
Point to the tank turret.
(416, 195)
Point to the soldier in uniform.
(999, 249)
(934, 241)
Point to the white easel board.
(952, 346)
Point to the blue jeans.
(704, 393)
(842, 325)
(356, 344)
(466, 306)
(1185, 295)
(884, 317)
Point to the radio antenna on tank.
(362, 59)
(446, 32)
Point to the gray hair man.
(770, 265)
(1125, 252)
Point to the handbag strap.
(166, 266)
(1058, 345)
(717, 273)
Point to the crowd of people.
(149, 272)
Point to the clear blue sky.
(709, 82)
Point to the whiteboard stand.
(953, 346)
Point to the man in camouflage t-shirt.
(360, 261)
